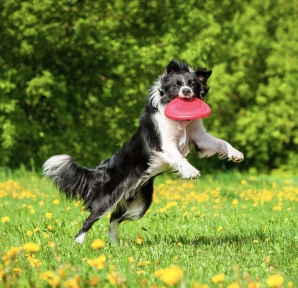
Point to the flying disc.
(187, 109)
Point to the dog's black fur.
(124, 182)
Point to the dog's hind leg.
(98, 209)
(132, 208)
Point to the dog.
(124, 182)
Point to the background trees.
(74, 74)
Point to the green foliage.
(74, 74)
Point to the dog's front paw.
(235, 155)
(190, 173)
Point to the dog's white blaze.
(80, 239)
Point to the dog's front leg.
(209, 145)
(177, 161)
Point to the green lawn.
(222, 230)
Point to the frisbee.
(187, 109)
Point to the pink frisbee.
(185, 109)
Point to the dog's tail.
(76, 182)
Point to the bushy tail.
(74, 181)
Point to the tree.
(74, 74)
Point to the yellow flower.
(54, 282)
(218, 278)
(234, 285)
(256, 241)
(5, 219)
(199, 285)
(131, 259)
(36, 230)
(49, 215)
(275, 281)
(235, 202)
(73, 283)
(99, 262)
(50, 227)
(46, 275)
(219, 229)
(114, 278)
(41, 203)
(31, 247)
(32, 211)
(56, 202)
(17, 270)
(12, 252)
(46, 235)
(171, 275)
(34, 262)
(139, 239)
(51, 244)
(97, 244)
(29, 233)
(253, 285)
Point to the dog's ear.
(203, 74)
(173, 67)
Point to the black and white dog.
(124, 182)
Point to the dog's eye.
(190, 83)
(177, 84)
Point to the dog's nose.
(186, 91)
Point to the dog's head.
(180, 80)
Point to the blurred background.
(74, 75)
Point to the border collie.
(124, 182)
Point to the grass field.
(222, 230)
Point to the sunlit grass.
(227, 230)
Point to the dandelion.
(50, 227)
(41, 203)
(73, 283)
(46, 275)
(256, 241)
(34, 262)
(139, 239)
(56, 202)
(5, 219)
(32, 211)
(97, 244)
(17, 270)
(99, 262)
(171, 275)
(267, 259)
(36, 230)
(131, 259)
(49, 215)
(29, 233)
(31, 247)
(199, 285)
(51, 244)
(253, 285)
(234, 285)
(235, 202)
(275, 280)
(218, 278)
(45, 235)
(219, 229)
(12, 252)
(114, 278)
(54, 282)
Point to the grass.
(222, 230)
